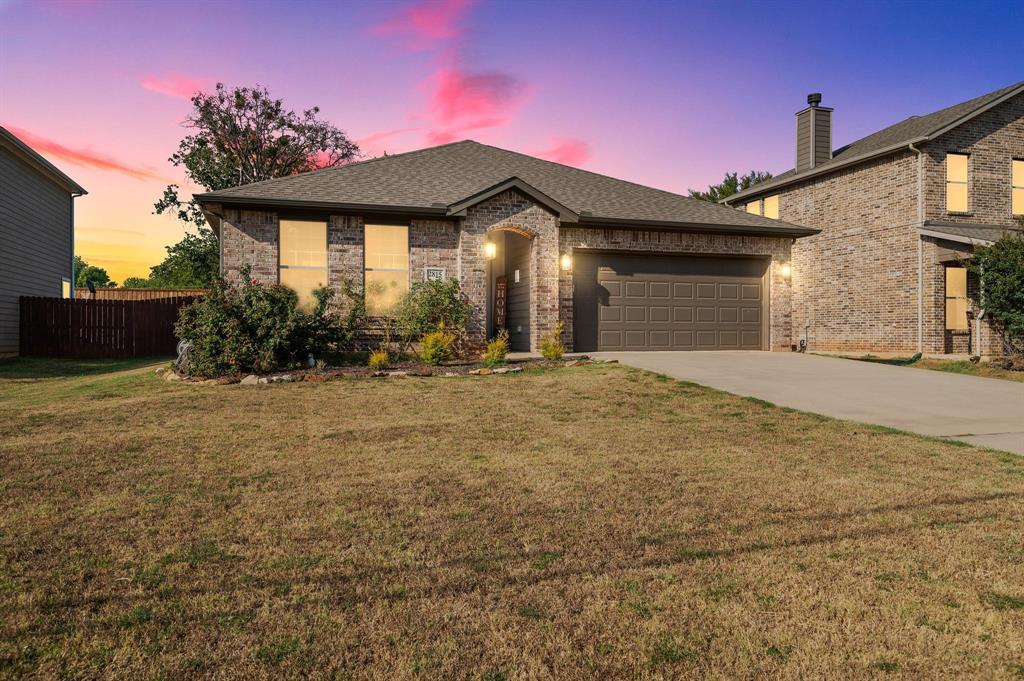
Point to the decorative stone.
(572, 363)
(262, 380)
(513, 370)
(379, 374)
(449, 374)
(287, 378)
(160, 370)
(501, 370)
(482, 371)
(251, 379)
(210, 381)
(398, 374)
(171, 376)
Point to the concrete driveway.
(982, 411)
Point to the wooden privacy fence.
(60, 327)
(136, 293)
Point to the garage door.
(659, 302)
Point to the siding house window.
(1018, 186)
(65, 288)
(956, 183)
(754, 207)
(303, 263)
(771, 207)
(956, 298)
(387, 266)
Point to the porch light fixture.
(566, 261)
(786, 270)
(490, 250)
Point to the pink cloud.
(427, 22)
(571, 152)
(466, 100)
(174, 85)
(82, 157)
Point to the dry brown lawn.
(586, 523)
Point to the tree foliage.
(84, 273)
(241, 135)
(732, 184)
(1000, 271)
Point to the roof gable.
(9, 141)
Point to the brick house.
(899, 211)
(625, 267)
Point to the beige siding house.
(898, 211)
(37, 227)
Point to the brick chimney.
(813, 134)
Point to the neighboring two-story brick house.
(899, 211)
(623, 266)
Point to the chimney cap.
(814, 99)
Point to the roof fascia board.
(565, 213)
(321, 205)
(31, 157)
(977, 112)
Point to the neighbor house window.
(303, 266)
(387, 266)
(754, 207)
(1018, 187)
(956, 298)
(771, 207)
(65, 288)
(956, 183)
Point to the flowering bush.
(250, 326)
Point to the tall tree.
(732, 184)
(242, 135)
(84, 273)
(193, 262)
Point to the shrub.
(249, 326)
(436, 346)
(379, 360)
(497, 349)
(551, 346)
(1000, 270)
(429, 305)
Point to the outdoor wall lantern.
(490, 250)
(787, 270)
(566, 262)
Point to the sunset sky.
(667, 94)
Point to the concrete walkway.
(983, 411)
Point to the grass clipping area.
(594, 522)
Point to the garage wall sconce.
(490, 250)
(786, 270)
(566, 262)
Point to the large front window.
(956, 183)
(387, 266)
(956, 298)
(303, 266)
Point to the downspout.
(920, 247)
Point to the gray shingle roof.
(913, 129)
(434, 179)
(960, 231)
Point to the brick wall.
(511, 210)
(655, 241)
(249, 237)
(433, 243)
(992, 139)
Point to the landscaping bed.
(397, 370)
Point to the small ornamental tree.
(1000, 271)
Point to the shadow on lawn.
(48, 367)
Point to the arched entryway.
(511, 274)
